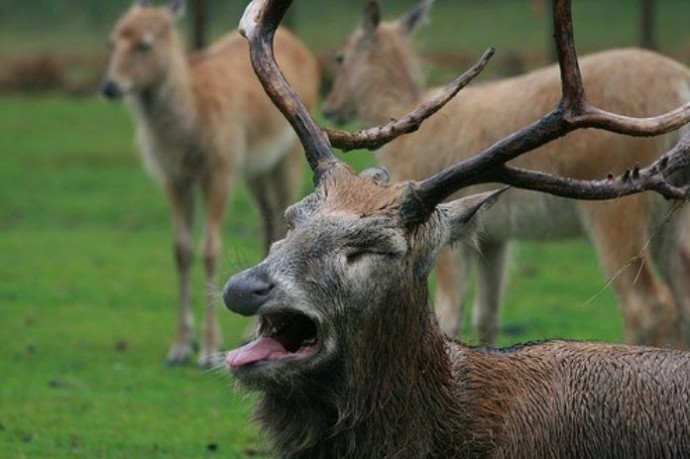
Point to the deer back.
(553, 398)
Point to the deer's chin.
(286, 339)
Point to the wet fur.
(396, 386)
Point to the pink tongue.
(262, 348)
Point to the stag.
(349, 360)
(202, 122)
(378, 78)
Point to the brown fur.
(378, 80)
(202, 122)
(385, 382)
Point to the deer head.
(335, 282)
(342, 300)
(143, 47)
(373, 56)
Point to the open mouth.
(282, 335)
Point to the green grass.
(88, 294)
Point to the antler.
(375, 138)
(572, 113)
(258, 25)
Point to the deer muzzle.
(245, 293)
(110, 89)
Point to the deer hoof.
(179, 354)
(209, 359)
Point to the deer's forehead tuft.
(347, 192)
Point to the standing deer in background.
(378, 79)
(349, 360)
(201, 122)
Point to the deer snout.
(335, 114)
(110, 89)
(329, 113)
(246, 292)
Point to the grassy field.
(87, 281)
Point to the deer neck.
(168, 106)
(389, 397)
(391, 91)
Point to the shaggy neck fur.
(390, 395)
(167, 106)
(393, 86)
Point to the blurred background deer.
(647, 262)
(203, 121)
(349, 361)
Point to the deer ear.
(371, 17)
(178, 8)
(415, 17)
(460, 216)
(377, 174)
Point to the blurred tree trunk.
(199, 23)
(290, 20)
(647, 37)
(199, 13)
(552, 55)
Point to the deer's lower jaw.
(283, 338)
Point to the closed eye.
(356, 254)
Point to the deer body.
(633, 82)
(349, 360)
(375, 377)
(567, 399)
(202, 122)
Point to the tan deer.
(202, 122)
(378, 79)
(349, 360)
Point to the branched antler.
(258, 25)
(572, 113)
(377, 137)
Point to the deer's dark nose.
(329, 113)
(110, 89)
(246, 292)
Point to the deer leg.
(286, 183)
(181, 197)
(274, 191)
(491, 273)
(618, 230)
(452, 276)
(216, 191)
(259, 189)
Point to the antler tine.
(573, 112)
(258, 25)
(377, 137)
(631, 181)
